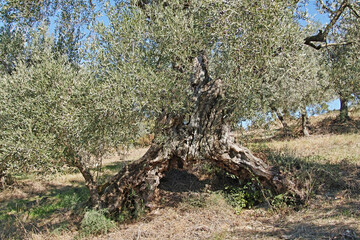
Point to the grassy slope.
(325, 165)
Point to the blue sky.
(313, 12)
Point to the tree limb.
(336, 16)
(353, 8)
(335, 44)
(321, 36)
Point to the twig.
(326, 7)
(22, 225)
(352, 7)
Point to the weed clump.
(95, 222)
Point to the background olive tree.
(54, 114)
(340, 38)
(344, 61)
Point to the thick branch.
(336, 17)
(322, 35)
(335, 44)
(89, 182)
(316, 38)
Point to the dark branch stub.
(316, 38)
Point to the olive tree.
(292, 76)
(344, 68)
(52, 114)
(344, 62)
(340, 38)
(195, 65)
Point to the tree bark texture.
(205, 137)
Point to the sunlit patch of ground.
(333, 148)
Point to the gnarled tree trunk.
(205, 137)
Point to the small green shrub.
(282, 201)
(245, 196)
(95, 222)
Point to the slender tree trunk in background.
(344, 111)
(304, 124)
(281, 118)
(206, 137)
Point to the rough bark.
(206, 136)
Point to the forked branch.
(322, 35)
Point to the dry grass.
(189, 210)
(333, 148)
(184, 222)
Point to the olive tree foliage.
(340, 40)
(21, 19)
(73, 19)
(32, 13)
(154, 44)
(344, 61)
(11, 47)
(54, 114)
(256, 49)
(295, 80)
(291, 76)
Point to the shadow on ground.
(59, 207)
(334, 126)
(176, 186)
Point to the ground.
(325, 166)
